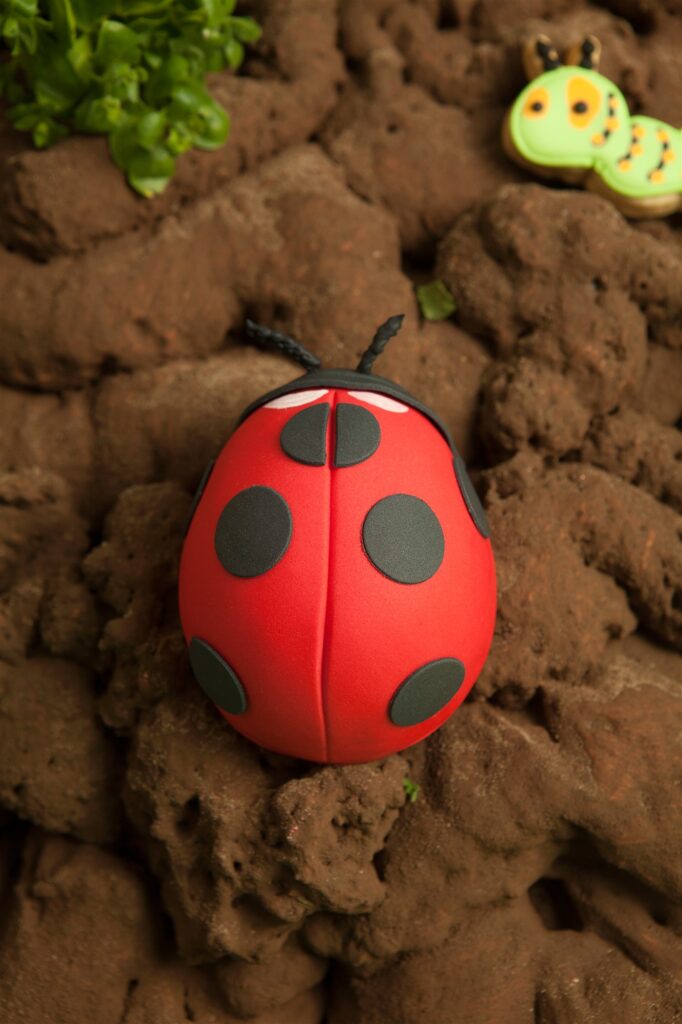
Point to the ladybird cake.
(337, 583)
(572, 123)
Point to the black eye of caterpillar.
(580, 107)
(537, 106)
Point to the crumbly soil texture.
(155, 866)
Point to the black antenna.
(586, 50)
(548, 55)
(267, 336)
(382, 337)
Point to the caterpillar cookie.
(572, 123)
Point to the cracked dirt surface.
(155, 865)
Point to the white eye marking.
(295, 398)
(381, 401)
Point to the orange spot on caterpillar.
(584, 100)
(662, 135)
(537, 103)
(668, 156)
(656, 176)
(624, 165)
(637, 131)
(598, 139)
(637, 149)
(612, 123)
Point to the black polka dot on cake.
(304, 436)
(197, 495)
(253, 531)
(403, 538)
(471, 499)
(216, 678)
(426, 691)
(358, 434)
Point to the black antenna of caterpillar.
(383, 335)
(586, 50)
(275, 339)
(548, 55)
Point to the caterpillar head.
(568, 114)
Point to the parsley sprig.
(132, 70)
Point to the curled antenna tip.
(383, 335)
(394, 323)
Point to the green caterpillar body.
(573, 121)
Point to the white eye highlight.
(381, 401)
(295, 398)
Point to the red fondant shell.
(323, 639)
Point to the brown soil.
(154, 865)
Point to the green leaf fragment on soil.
(436, 301)
(411, 789)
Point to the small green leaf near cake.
(411, 789)
(435, 301)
